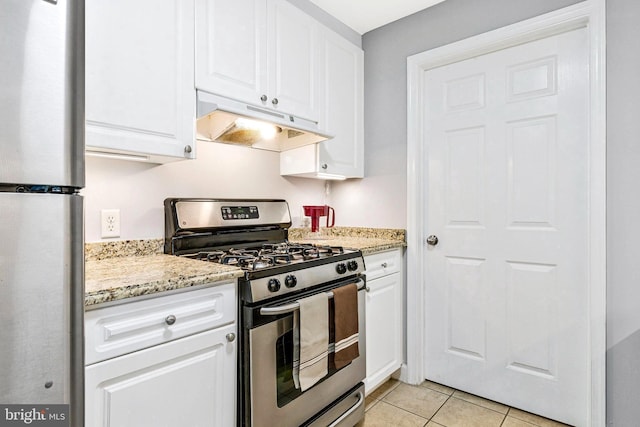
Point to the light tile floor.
(434, 405)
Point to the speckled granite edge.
(122, 248)
(360, 232)
(132, 291)
(119, 278)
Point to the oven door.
(274, 399)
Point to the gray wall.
(623, 213)
(384, 187)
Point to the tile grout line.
(438, 410)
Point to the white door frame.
(589, 14)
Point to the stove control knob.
(341, 268)
(290, 281)
(273, 285)
(352, 265)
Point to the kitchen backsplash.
(138, 189)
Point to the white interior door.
(506, 142)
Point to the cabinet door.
(231, 48)
(292, 61)
(139, 77)
(384, 329)
(188, 382)
(342, 107)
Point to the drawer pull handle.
(384, 265)
(368, 289)
(170, 320)
(231, 337)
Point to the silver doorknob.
(274, 101)
(432, 240)
(170, 320)
(263, 98)
(231, 336)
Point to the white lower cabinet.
(188, 381)
(384, 314)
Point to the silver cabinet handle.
(170, 320)
(231, 337)
(368, 289)
(274, 101)
(324, 166)
(188, 149)
(263, 98)
(432, 240)
(384, 265)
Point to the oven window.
(287, 391)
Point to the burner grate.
(268, 255)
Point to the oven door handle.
(290, 308)
(349, 412)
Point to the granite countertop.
(118, 270)
(125, 269)
(368, 240)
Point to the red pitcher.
(315, 212)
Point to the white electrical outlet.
(110, 222)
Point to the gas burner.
(301, 251)
(213, 256)
(252, 259)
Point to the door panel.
(466, 334)
(506, 291)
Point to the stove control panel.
(271, 286)
(239, 212)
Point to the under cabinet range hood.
(228, 121)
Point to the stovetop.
(253, 235)
(269, 255)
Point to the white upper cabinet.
(140, 97)
(292, 60)
(341, 101)
(231, 47)
(261, 52)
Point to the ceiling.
(365, 15)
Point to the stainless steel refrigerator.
(41, 212)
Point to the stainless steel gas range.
(253, 235)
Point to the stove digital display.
(240, 212)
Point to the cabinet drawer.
(383, 263)
(121, 329)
